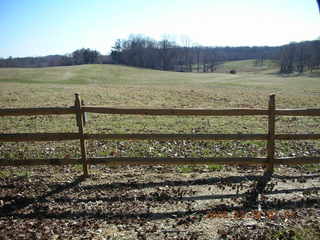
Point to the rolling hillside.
(248, 76)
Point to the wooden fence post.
(262, 183)
(79, 117)
(84, 115)
(271, 134)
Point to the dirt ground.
(154, 203)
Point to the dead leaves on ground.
(256, 215)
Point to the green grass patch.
(312, 167)
(214, 167)
(190, 169)
(24, 173)
(186, 169)
(77, 167)
(297, 233)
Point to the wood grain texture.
(38, 137)
(165, 137)
(36, 111)
(176, 161)
(175, 112)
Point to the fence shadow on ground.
(13, 209)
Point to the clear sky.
(43, 27)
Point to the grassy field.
(249, 76)
(247, 66)
(158, 202)
(126, 86)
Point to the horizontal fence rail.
(120, 161)
(36, 111)
(176, 112)
(158, 112)
(39, 162)
(44, 137)
(80, 111)
(298, 112)
(176, 161)
(38, 137)
(170, 137)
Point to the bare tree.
(197, 51)
(187, 54)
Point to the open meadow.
(158, 202)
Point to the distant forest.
(78, 57)
(299, 57)
(140, 51)
(167, 55)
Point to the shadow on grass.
(17, 204)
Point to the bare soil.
(153, 203)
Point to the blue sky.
(43, 27)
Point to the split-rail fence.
(80, 110)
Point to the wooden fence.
(80, 110)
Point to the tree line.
(140, 51)
(299, 57)
(80, 56)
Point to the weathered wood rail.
(79, 110)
